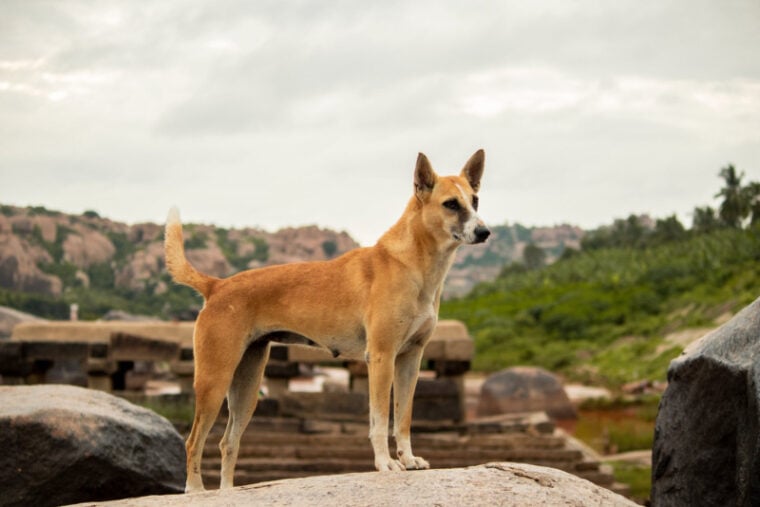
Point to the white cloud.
(285, 113)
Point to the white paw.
(388, 465)
(414, 463)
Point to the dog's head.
(450, 203)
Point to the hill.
(506, 245)
(49, 260)
(606, 314)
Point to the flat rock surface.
(491, 484)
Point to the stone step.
(330, 465)
(364, 451)
(451, 441)
(439, 456)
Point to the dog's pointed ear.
(424, 176)
(473, 169)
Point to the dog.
(378, 304)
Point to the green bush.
(568, 315)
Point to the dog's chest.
(421, 325)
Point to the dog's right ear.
(424, 176)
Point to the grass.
(637, 477)
(601, 316)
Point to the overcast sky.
(277, 113)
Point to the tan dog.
(379, 304)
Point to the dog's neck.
(409, 241)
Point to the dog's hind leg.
(241, 400)
(404, 383)
(209, 395)
(215, 361)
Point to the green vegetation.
(42, 306)
(601, 315)
(124, 247)
(609, 308)
(195, 239)
(637, 477)
(229, 248)
(329, 248)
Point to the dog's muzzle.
(481, 234)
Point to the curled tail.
(176, 262)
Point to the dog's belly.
(345, 347)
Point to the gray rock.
(10, 317)
(707, 443)
(524, 389)
(494, 484)
(64, 444)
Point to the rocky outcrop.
(481, 263)
(87, 247)
(64, 444)
(524, 389)
(134, 253)
(10, 317)
(37, 246)
(491, 484)
(142, 267)
(19, 268)
(707, 433)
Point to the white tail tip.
(173, 217)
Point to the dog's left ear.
(424, 176)
(473, 169)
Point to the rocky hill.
(482, 263)
(51, 254)
(43, 251)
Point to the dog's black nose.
(481, 233)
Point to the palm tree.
(735, 206)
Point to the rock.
(10, 317)
(524, 389)
(491, 484)
(19, 270)
(143, 266)
(64, 444)
(86, 247)
(707, 435)
(122, 316)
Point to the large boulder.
(10, 317)
(511, 484)
(524, 389)
(65, 444)
(707, 438)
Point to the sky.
(275, 113)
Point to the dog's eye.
(475, 202)
(452, 204)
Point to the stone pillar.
(278, 374)
(184, 369)
(358, 377)
(99, 367)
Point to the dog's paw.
(414, 463)
(389, 465)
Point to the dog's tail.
(176, 262)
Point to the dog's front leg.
(380, 365)
(405, 381)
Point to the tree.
(533, 256)
(668, 229)
(752, 196)
(735, 206)
(704, 220)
